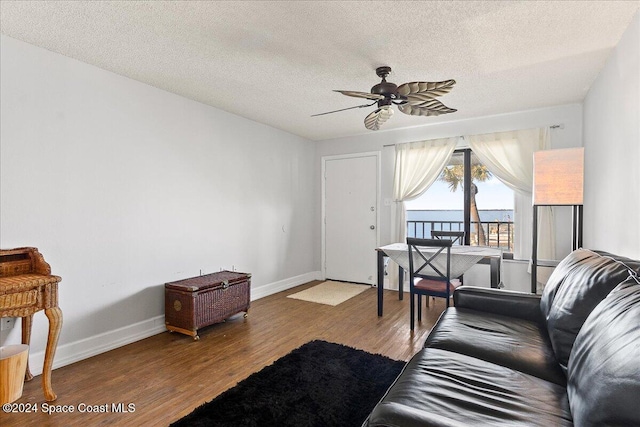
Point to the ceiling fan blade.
(427, 89)
(366, 95)
(344, 109)
(430, 107)
(418, 99)
(374, 120)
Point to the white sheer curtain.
(509, 156)
(418, 165)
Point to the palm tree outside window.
(466, 197)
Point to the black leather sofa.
(568, 357)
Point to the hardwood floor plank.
(168, 375)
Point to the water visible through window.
(441, 207)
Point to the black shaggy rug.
(319, 384)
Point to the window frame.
(466, 152)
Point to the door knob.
(373, 227)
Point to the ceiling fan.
(415, 98)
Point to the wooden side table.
(26, 287)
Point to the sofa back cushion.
(576, 286)
(604, 368)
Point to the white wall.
(569, 116)
(124, 187)
(612, 151)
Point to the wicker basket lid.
(220, 279)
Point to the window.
(466, 197)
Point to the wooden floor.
(168, 375)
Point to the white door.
(351, 218)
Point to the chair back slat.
(454, 236)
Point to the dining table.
(463, 257)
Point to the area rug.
(319, 384)
(330, 293)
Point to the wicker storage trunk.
(194, 303)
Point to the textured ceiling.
(278, 62)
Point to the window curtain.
(509, 156)
(418, 165)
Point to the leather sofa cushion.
(604, 368)
(576, 286)
(515, 343)
(444, 388)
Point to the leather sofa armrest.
(507, 303)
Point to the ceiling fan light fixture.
(414, 98)
(387, 102)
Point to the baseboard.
(76, 351)
(283, 285)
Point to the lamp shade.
(558, 177)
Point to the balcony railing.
(498, 234)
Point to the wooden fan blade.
(367, 95)
(344, 109)
(427, 89)
(431, 107)
(374, 120)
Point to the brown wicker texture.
(192, 304)
(209, 280)
(19, 300)
(22, 261)
(26, 283)
(26, 294)
(26, 287)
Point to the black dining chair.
(457, 237)
(425, 278)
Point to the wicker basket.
(194, 303)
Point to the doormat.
(319, 384)
(330, 293)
